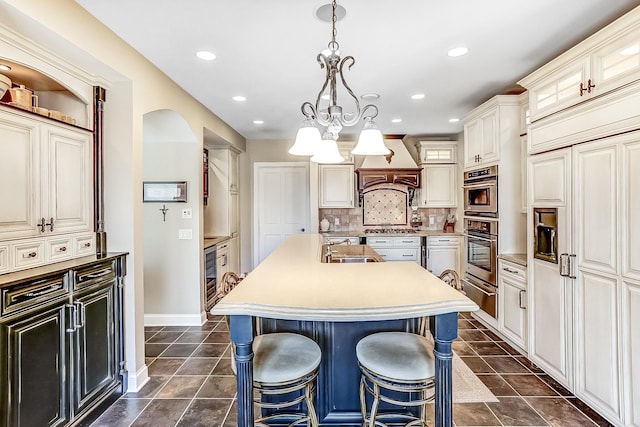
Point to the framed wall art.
(164, 191)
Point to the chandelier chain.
(334, 32)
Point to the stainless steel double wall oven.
(481, 237)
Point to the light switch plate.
(337, 221)
(187, 213)
(185, 234)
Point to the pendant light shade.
(327, 151)
(307, 140)
(370, 141)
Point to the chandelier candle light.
(325, 149)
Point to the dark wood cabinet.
(34, 360)
(96, 367)
(61, 350)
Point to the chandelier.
(324, 149)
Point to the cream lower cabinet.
(443, 253)
(337, 186)
(512, 295)
(438, 188)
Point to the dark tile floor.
(192, 383)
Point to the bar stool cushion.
(397, 355)
(283, 357)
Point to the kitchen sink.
(339, 254)
(350, 259)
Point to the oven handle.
(471, 236)
(478, 287)
(484, 184)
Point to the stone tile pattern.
(192, 384)
(385, 206)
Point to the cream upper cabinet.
(488, 127)
(20, 173)
(438, 151)
(46, 178)
(234, 172)
(438, 188)
(603, 62)
(337, 186)
(69, 195)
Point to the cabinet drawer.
(407, 241)
(94, 274)
(513, 271)
(399, 254)
(443, 240)
(85, 245)
(59, 249)
(376, 242)
(28, 254)
(30, 294)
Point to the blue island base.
(338, 401)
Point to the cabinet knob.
(63, 249)
(302, 230)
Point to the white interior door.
(281, 205)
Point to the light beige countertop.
(292, 283)
(210, 241)
(520, 259)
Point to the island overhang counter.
(337, 304)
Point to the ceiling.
(266, 51)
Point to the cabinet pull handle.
(582, 89)
(41, 292)
(95, 275)
(30, 255)
(522, 292)
(588, 88)
(72, 317)
(62, 249)
(82, 314)
(50, 224)
(41, 224)
(88, 244)
(508, 270)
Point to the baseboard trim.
(136, 381)
(173, 319)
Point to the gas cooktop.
(389, 231)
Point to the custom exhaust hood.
(398, 167)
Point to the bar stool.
(451, 278)
(284, 363)
(396, 362)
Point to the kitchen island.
(336, 305)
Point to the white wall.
(172, 290)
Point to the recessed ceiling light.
(417, 96)
(396, 120)
(258, 122)
(4, 67)
(206, 55)
(239, 98)
(454, 120)
(370, 96)
(458, 51)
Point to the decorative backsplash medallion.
(385, 205)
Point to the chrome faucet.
(347, 241)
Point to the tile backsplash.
(352, 220)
